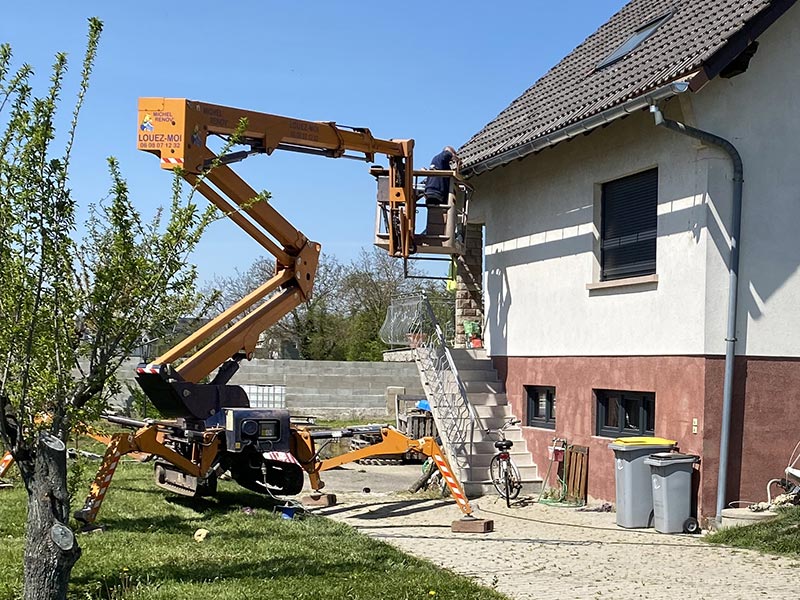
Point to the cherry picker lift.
(208, 429)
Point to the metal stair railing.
(412, 321)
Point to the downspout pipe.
(733, 269)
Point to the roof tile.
(575, 89)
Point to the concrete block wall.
(332, 389)
(328, 389)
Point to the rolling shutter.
(628, 230)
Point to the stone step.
(469, 354)
(475, 365)
(522, 458)
(481, 474)
(477, 375)
(487, 446)
(530, 489)
(484, 387)
(497, 411)
(487, 399)
(512, 433)
(494, 423)
(486, 393)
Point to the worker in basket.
(437, 190)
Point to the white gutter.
(581, 127)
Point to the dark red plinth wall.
(766, 413)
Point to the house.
(608, 233)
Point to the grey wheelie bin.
(671, 480)
(634, 491)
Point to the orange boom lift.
(210, 428)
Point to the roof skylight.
(634, 40)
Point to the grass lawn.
(777, 536)
(148, 551)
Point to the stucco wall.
(541, 234)
(757, 112)
(541, 215)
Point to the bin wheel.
(691, 525)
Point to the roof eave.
(739, 42)
(581, 127)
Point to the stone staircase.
(486, 394)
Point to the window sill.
(547, 426)
(651, 280)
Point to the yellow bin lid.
(644, 441)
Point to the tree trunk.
(51, 549)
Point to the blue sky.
(433, 72)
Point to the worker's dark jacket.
(436, 188)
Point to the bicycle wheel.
(507, 485)
(502, 470)
(513, 479)
(497, 472)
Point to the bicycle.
(504, 473)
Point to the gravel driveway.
(539, 551)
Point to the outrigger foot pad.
(470, 524)
(319, 500)
(92, 528)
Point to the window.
(541, 406)
(628, 219)
(621, 414)
(629, 45)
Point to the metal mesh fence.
(409, 321)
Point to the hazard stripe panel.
(451, 481)
(281, 457)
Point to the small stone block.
(472, 526)
(319, 500)
(92, 528)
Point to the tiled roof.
(695, 43)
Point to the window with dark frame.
(628, 226)
(541, 406)
(625, 414)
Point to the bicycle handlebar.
(509, 422)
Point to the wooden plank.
(576, 472)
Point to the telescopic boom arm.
(177, 131)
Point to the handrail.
(443, 343)
(412, 321)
